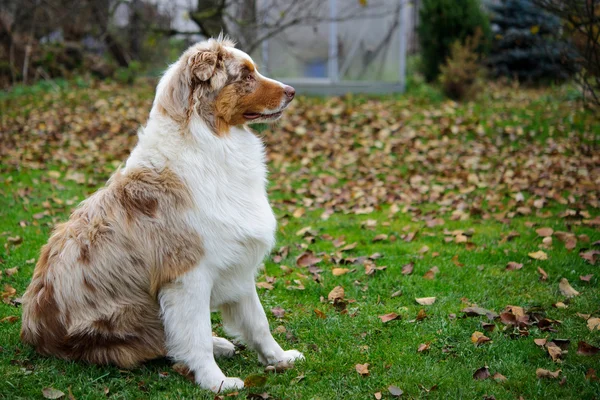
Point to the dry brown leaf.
(456, 262)
(362, 369)
(389, 317)
(566, 289)
(478, 338)
(544, 232)
(543, 274)
(586, 278)
(11, 319)
(423, 347)
(544, 373)
(51, 393)
(481, 374)
(337, 293)
(320, 313)
(339, 271)
(408, 269)
(11, 271)
(425, 301)
(540, 342)
(586, 349)
(423, 250)
(511, 266)
(380, 237)
(264, 285)
(554, 351)
(538, 255)
(307, 259)
(278, 312)
(395, 391)
(430, 274)
(498, 377)
(593, 323)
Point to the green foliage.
(442, 23)
(527, 43)
(461, 75)
(130, 74)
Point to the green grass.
(335, 344)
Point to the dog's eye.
(249, 77)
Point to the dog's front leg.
(185, 308)
(246, 319)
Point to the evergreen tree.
(527, 43)
(444, 22)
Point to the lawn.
(486, 206)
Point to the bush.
(443, 22)
(526, 43)
(461, 75)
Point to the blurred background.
(330, 47)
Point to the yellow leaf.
(538, 255)
(535, 29)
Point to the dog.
(178, 232)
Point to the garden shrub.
(442, 23)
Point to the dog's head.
(220, 84)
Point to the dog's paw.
(290, 356)
(223, 348)
(224, 385)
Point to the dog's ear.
(198, 73)
(203, 64)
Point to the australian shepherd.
(178, 232)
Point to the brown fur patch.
(117, 250)
(239, 98)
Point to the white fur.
(227, 176)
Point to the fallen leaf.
(544, 373)
(538, 255)
(421, 315)
(11, 319)
(593, 323)
(389, 317)
(349, 247)
(544, 232)
(339, 271)
(51, 393)
(511, 266)
(395, 391)
(320, 313)
(481, 374)
(456, 262)
(184, 371)
(586, 278)
(278, 312)
(554, 351)
(590, 256)
(586, 349)
(566, 289)
(425, 301)
(337, 293)
(306, 259)
(264, 285)
(543, 274)
(423, 250)
(380, 237)
(498, 377)
(255, 380)
(377, 395)
(11, 271)
(423, 347)
(479, 338)
(362, 369)
(407, 269)
(474, 311)
(540, 342)
(430, 274)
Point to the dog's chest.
(232, 212)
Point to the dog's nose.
(290, 92)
